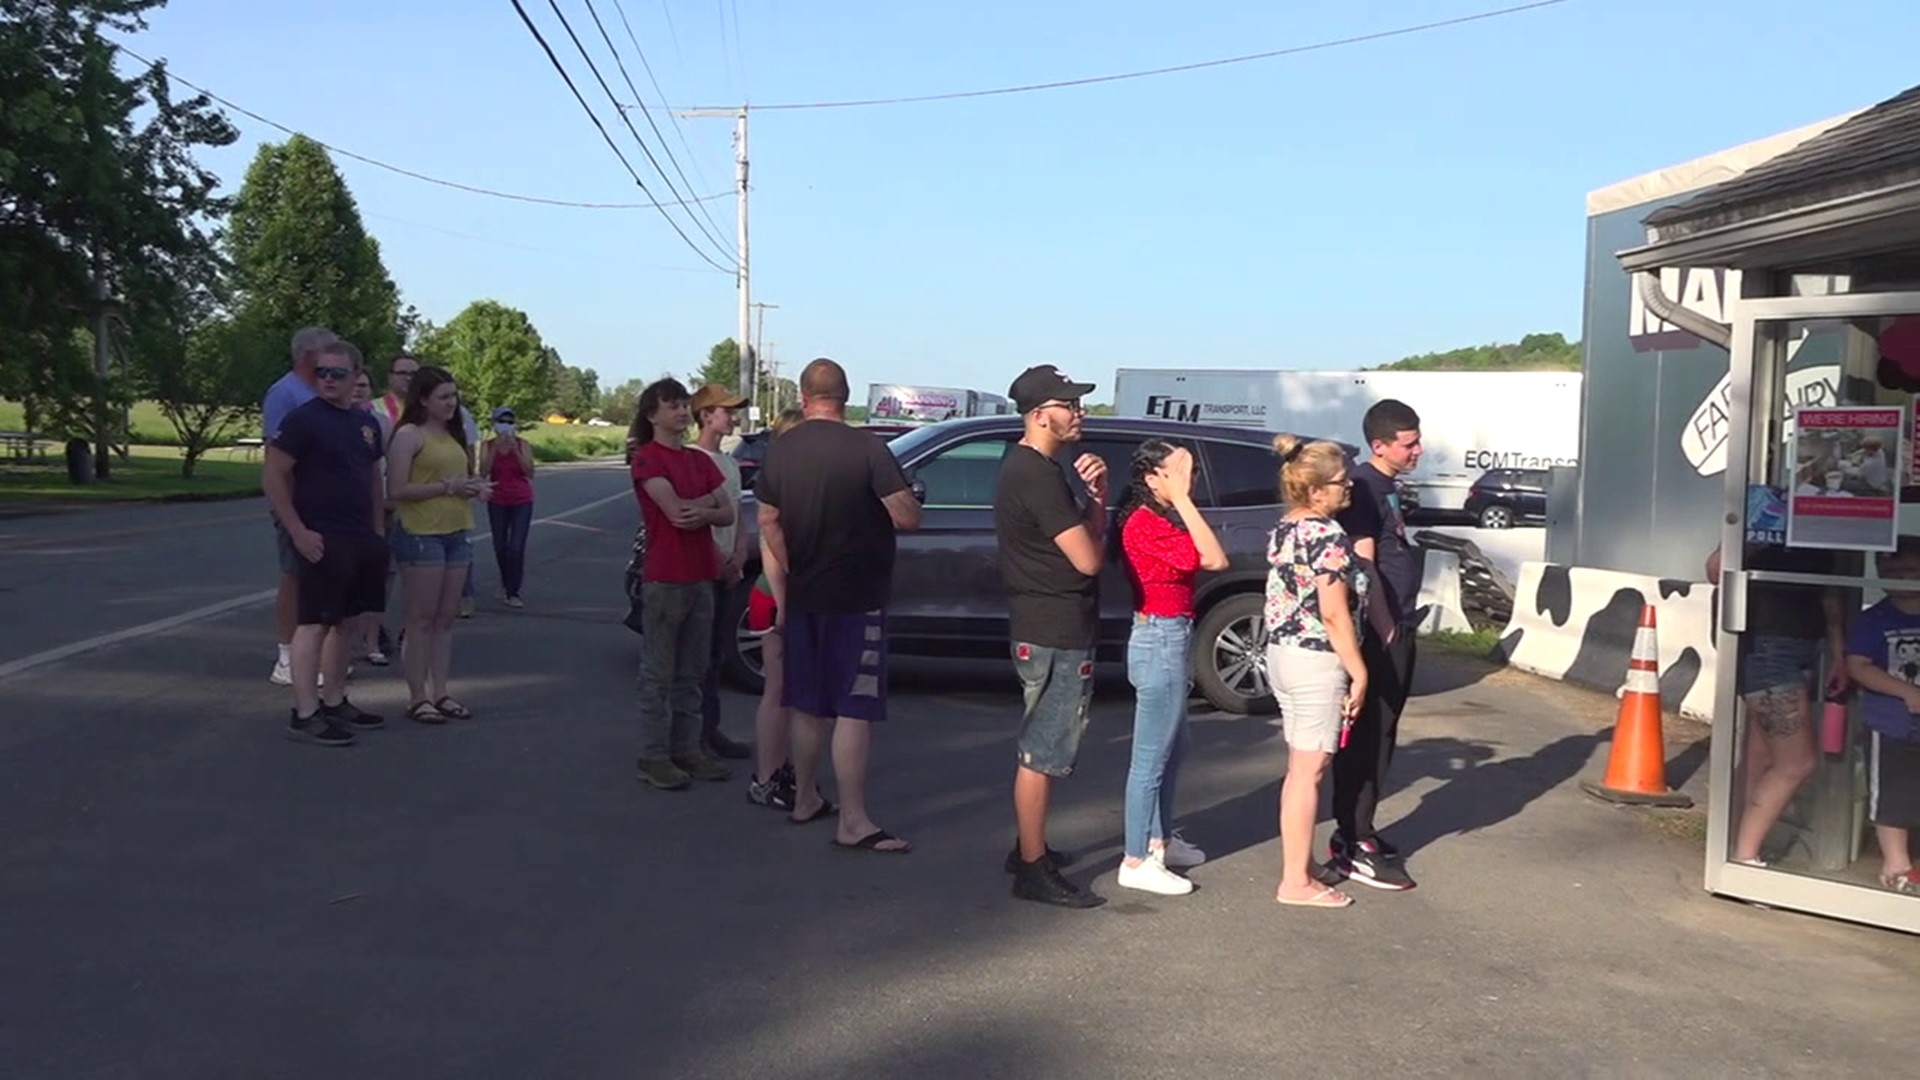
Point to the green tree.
(722, 367)
(618, 403)
(496, 355)
(302, 257)
(100, 198)
(576, 391)
(1535, 352)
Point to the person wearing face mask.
(507, 460)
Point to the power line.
(409, 173)
(1174, 70)
(604, 134)
(581, 48)
(672, 117)
(641, 101)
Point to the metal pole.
(747, 365)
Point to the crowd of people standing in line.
(360, 487)
(830, 501)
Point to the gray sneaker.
(702, 766)
(661, 773)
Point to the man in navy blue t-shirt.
(1379, 531)
(324, 484)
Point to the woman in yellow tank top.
(428, 483)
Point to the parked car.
(1502, 498)
(752, 449)
(948, 599)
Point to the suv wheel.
(1228, 666)
(1496, 517)
(740, 662)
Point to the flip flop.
(1327, 897)
(450, 707)
(827, 809)
(872, 841)
(423, 712)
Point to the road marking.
(173, 622)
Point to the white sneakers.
(1153, 876)
(283, 673)
(1181, 854)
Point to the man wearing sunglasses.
(324, 484)
(289, 392)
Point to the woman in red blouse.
(1166, 543)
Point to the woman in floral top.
(1316, 591)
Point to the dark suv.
(1502, 498)
(948, 600)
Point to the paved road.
(185, 894)
(96, 572)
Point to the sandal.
(1906, 881)
(873, 840)
(423, 712)
(827, 809)
(450, 707)
(1327, 897)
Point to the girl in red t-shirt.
(1165, 543)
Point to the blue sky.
(1326, 210)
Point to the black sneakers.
(1372, 862)
(777, 793)
(352, 716)
(1060, 859)
(318, 729)
(1042, 883)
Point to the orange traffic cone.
(1637, 767)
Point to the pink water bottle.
(1833, 726)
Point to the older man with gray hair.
(294, 389)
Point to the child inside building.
(1883, 656)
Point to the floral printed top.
(1299, 553)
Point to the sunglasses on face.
(332, 373)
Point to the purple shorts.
(836, 665)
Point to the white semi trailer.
(897, 403)
(1470, 421)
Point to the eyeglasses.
(332, 373)
(1071, 406)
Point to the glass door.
(1815, 768)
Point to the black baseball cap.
(1043, 383)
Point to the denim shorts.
(290, 559)
(1058, 687)
(1770, 662)
(434, 549)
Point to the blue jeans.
(510, 527)
(1157, 668)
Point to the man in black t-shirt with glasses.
(831, 498)
(1379, 530)
(1051, 551)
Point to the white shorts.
(1310, 686)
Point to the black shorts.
(350, 579)
(836, 665)
(1893, 782)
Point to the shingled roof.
(1877, 149)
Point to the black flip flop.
(872, 841)
(827, 809)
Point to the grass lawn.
(152, 473)
(1477, 644)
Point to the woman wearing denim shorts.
(429, 485)
(1165, 543)
(1316, 590)
(1782, 648)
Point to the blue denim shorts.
(1058, 687)
(1770, 662)
(436, 549)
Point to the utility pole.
(748, 364)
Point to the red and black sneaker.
(1367, 863)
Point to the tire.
(1229, 667)
(740, 661)
(1496, 517)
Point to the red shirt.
(1162, 561)
(676, 556)
(511, 484)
